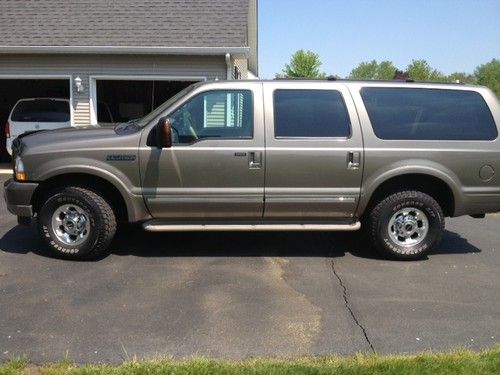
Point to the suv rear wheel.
(77, 223)
(406, 225)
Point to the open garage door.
(125, 100)
(11, 90)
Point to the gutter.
(228, 67)
(111, 50)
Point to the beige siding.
(241, 62)
(81, 113)
(84, 66)
(207, 66)
(252, 36)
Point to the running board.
(159, 227)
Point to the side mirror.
(164, 133)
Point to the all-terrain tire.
(381, 217)
(99, 218)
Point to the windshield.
(149, 117)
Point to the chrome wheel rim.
(70, 224)
(408, 227)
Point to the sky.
(452, 35)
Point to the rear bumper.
(18, 196)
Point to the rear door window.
(428, 114)
(310, 114)
(41, 111)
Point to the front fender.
(129, 187)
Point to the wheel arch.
(437, 186)
(116, 194)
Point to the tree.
(462, 77)
(489, 75)
(420, 70)
(303, 64)
(365, 70)
(386, 70)
(373, 70)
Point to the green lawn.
(453, 363)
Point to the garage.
(13, 89)
(118, 100)
(113, 73)
(121, 100)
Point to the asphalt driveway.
(240, 295)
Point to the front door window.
(215, 115)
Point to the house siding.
(85, 66)
(253, 36)
(241, 62)
(81, 113)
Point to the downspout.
(228, 67)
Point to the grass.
(455, 362)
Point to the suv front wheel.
(76, 223)
(406, 225)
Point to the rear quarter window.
(428, 114)
(41, 111)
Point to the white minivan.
(35, 114)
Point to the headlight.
(19, 169)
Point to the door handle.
(254, 160)
(353, 160)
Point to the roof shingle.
(124, 23)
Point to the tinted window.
(428, 114)
(214, 114)
(41, 111)
(310, 113)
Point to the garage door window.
(121, 100)
(216, 115)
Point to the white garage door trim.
(48, 76)
(94, 78)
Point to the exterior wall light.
(78, 84)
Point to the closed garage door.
(11, 90)
(125, 100)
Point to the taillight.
(7, 130)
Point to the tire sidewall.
(429, 207)
(45, 223)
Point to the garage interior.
(11, 90)
(117, 100)
(125, 100)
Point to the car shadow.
(132, 241)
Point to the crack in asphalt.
(348, 307)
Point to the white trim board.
(109, 50)
(121, 77)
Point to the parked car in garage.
(35, 114)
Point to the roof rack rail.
(338, 79)
(297, 79)
(329, 78)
